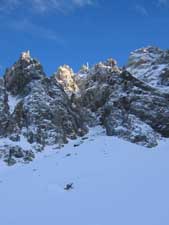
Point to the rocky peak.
(84, 69)
(36, 108)
(65, 76)
(25, 70)
(50, 110)
(25, 56)
(151, 65)
(105, 67)
(125, 105)
(111, 62)
(144, 55)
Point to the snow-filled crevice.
(12, 102)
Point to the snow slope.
(12, 102)
(115, 183)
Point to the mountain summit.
(37, 111)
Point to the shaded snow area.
(23, 143)
(12, 102)
(114, 183)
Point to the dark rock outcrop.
(4, 109)
(24, 71)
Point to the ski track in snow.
(115, 183)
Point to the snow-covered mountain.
(37, 111)
(89, 135)
(151, 65)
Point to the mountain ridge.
(130, 103)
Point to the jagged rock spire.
(26, 56)
(65, 76)
(25, 70)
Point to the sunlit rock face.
(65, 76)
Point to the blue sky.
(78, 31)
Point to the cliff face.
(131, 103)
(126, 106)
